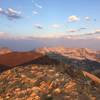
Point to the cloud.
(1, 11)
(77, 30)
(13, 14)
(35, 13)
(87, 18)
(4, 35)
(97, 31)
(56, 26)
(82, 28)
(73, 18)
(93, 35)
(10, 13)
(38, 26)
(38, 6)
(72, 30)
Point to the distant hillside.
(4, 50)
(76, 53)
(84, 58)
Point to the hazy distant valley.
(29, 44)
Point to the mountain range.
(79, 57)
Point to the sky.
(47, 18)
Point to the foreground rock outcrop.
(46, 82)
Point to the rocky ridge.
(43, 82)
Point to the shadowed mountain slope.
(14, 59)
(17, 58)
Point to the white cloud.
(73, 18)
(87, 18)
(11, 13)
(38, 6)
(56, 26)
(35, 13)
(1, 11)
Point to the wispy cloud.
(56, 26)
(87, 18)
(1, 11)
(73, 18)
(94, 35)
(72, 30)
(4, 35)
(11, 14)
(82, 28)
(97, 31)
(38, 26)
(35, 13)
(38, 5)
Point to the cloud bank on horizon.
(49, 18)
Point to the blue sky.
(49, 17)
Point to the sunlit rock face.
(76, 53)
(4, 50)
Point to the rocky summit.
(46, 82)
